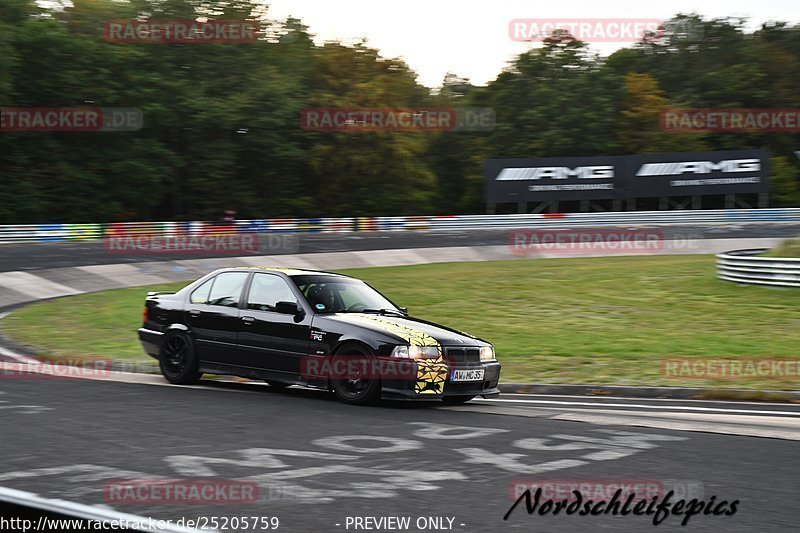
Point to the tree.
(785, 182)
(640, 129)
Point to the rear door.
(269, 340)
(213, 315)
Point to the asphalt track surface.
(317, 462)
(37, 256)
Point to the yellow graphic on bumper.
(431, 373)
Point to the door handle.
(248, 319)
(194, 312)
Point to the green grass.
(789, 248)
(579, 320)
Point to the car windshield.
(333, 294)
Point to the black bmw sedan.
(315, 329)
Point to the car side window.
(200, 294)
(267, 290)
(227, 289)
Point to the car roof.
(288, 271)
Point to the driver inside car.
(321, 298)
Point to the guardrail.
(82, 232)
(750, 268)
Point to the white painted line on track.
(642, 406)
(87, 512)
(639, 399)
(15, 356)
(754, 420)
(719, 426)
(53, 371)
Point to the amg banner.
(634, 176)
(696, 173)
(551, 178)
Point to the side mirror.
(288, 308)
(403, 310)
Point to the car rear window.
(227, 289)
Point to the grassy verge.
(789, 248)
(587, 320)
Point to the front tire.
(178, 359)
(355, 389)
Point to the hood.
(414, 331)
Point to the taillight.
(145, 314)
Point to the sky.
(470, 37)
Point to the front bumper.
(405, 389)
(151, 341)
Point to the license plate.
(467, 375)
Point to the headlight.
(415, 352)
(487, 353)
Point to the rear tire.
(355, 389)
(456, 400)
(178, 359)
